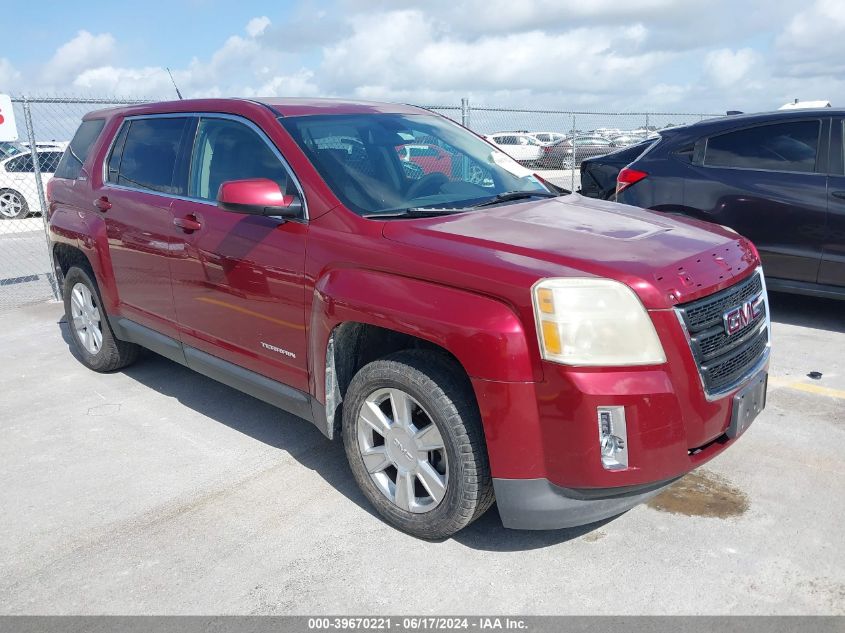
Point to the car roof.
(286, 107)
(739, 120)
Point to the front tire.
(90, 332)
(414, 441)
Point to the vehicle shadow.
(487, 534)
(302, 441)
(245, 414)
(814, 312)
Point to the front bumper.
(538, 504)
(543, 441)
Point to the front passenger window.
(228, 150)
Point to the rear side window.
(145, 153)
(70, 166)
(789, 146)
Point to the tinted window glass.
(21, 164)
(70, 165)
(228, 150)
(781, 147)
(148, 157)
(117, 153)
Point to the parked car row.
(777, 178)
(554, 150)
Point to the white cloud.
(593, 59)
(126, 82)
(257, 26)
(601, 55)
(813, 42)
(9, 76)
(298, 84)
(77, 55)
(727, 68)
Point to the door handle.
(838, 194)
(102, 204)
(189, 224)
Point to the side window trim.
(816, 171)
(191, 136)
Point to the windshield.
(383, 163)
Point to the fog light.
(613, 437)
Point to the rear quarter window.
(70, 165)
(791, 146)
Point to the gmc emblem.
(737, 318)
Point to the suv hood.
(665, 259)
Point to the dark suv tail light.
(628, 177)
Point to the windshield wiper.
(416, 212)
(516, 195)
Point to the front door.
(238, 280)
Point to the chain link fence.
(46, 125)
(555, 142)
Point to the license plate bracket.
(748, 404)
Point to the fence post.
(647, 124)
(572, 162)
(465, 112)
(42, 199)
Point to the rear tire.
(437, 455)
(90, 332)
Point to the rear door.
(141, 180)
(832, 269)
(769, 183)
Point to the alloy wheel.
(11, 204)
(85, 317)
(402, 450)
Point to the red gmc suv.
(472, 335)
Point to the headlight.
(583, 321)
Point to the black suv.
(777, 178)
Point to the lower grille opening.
(722, 439)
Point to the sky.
(597, 55)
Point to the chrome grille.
(724, 360)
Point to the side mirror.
(258, 196)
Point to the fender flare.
(88, 235)
(484, 334)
